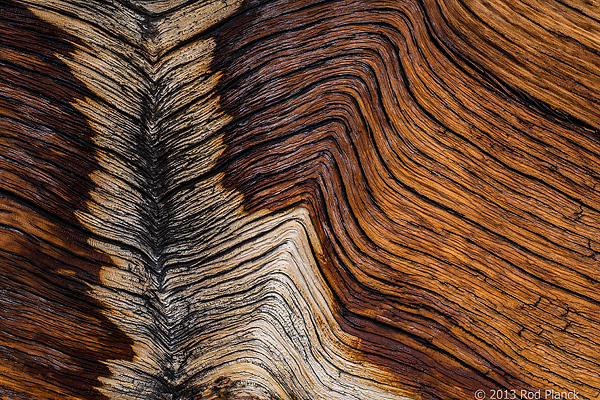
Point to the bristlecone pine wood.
(298, 199)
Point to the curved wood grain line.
(297, 200)
(438, 186)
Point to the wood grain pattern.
(54, 337)
(452, 178)
(292, 199)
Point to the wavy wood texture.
(54, 338)
(299, 199)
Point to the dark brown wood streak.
(54, 337)
(449, 154)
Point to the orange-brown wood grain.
(449, 155)
(53, 334)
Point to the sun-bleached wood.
(214, 299)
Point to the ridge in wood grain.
(219, 303)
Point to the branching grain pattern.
(292, 199)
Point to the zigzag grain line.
(54, 339)
(219, 304)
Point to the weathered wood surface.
(341, 199)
